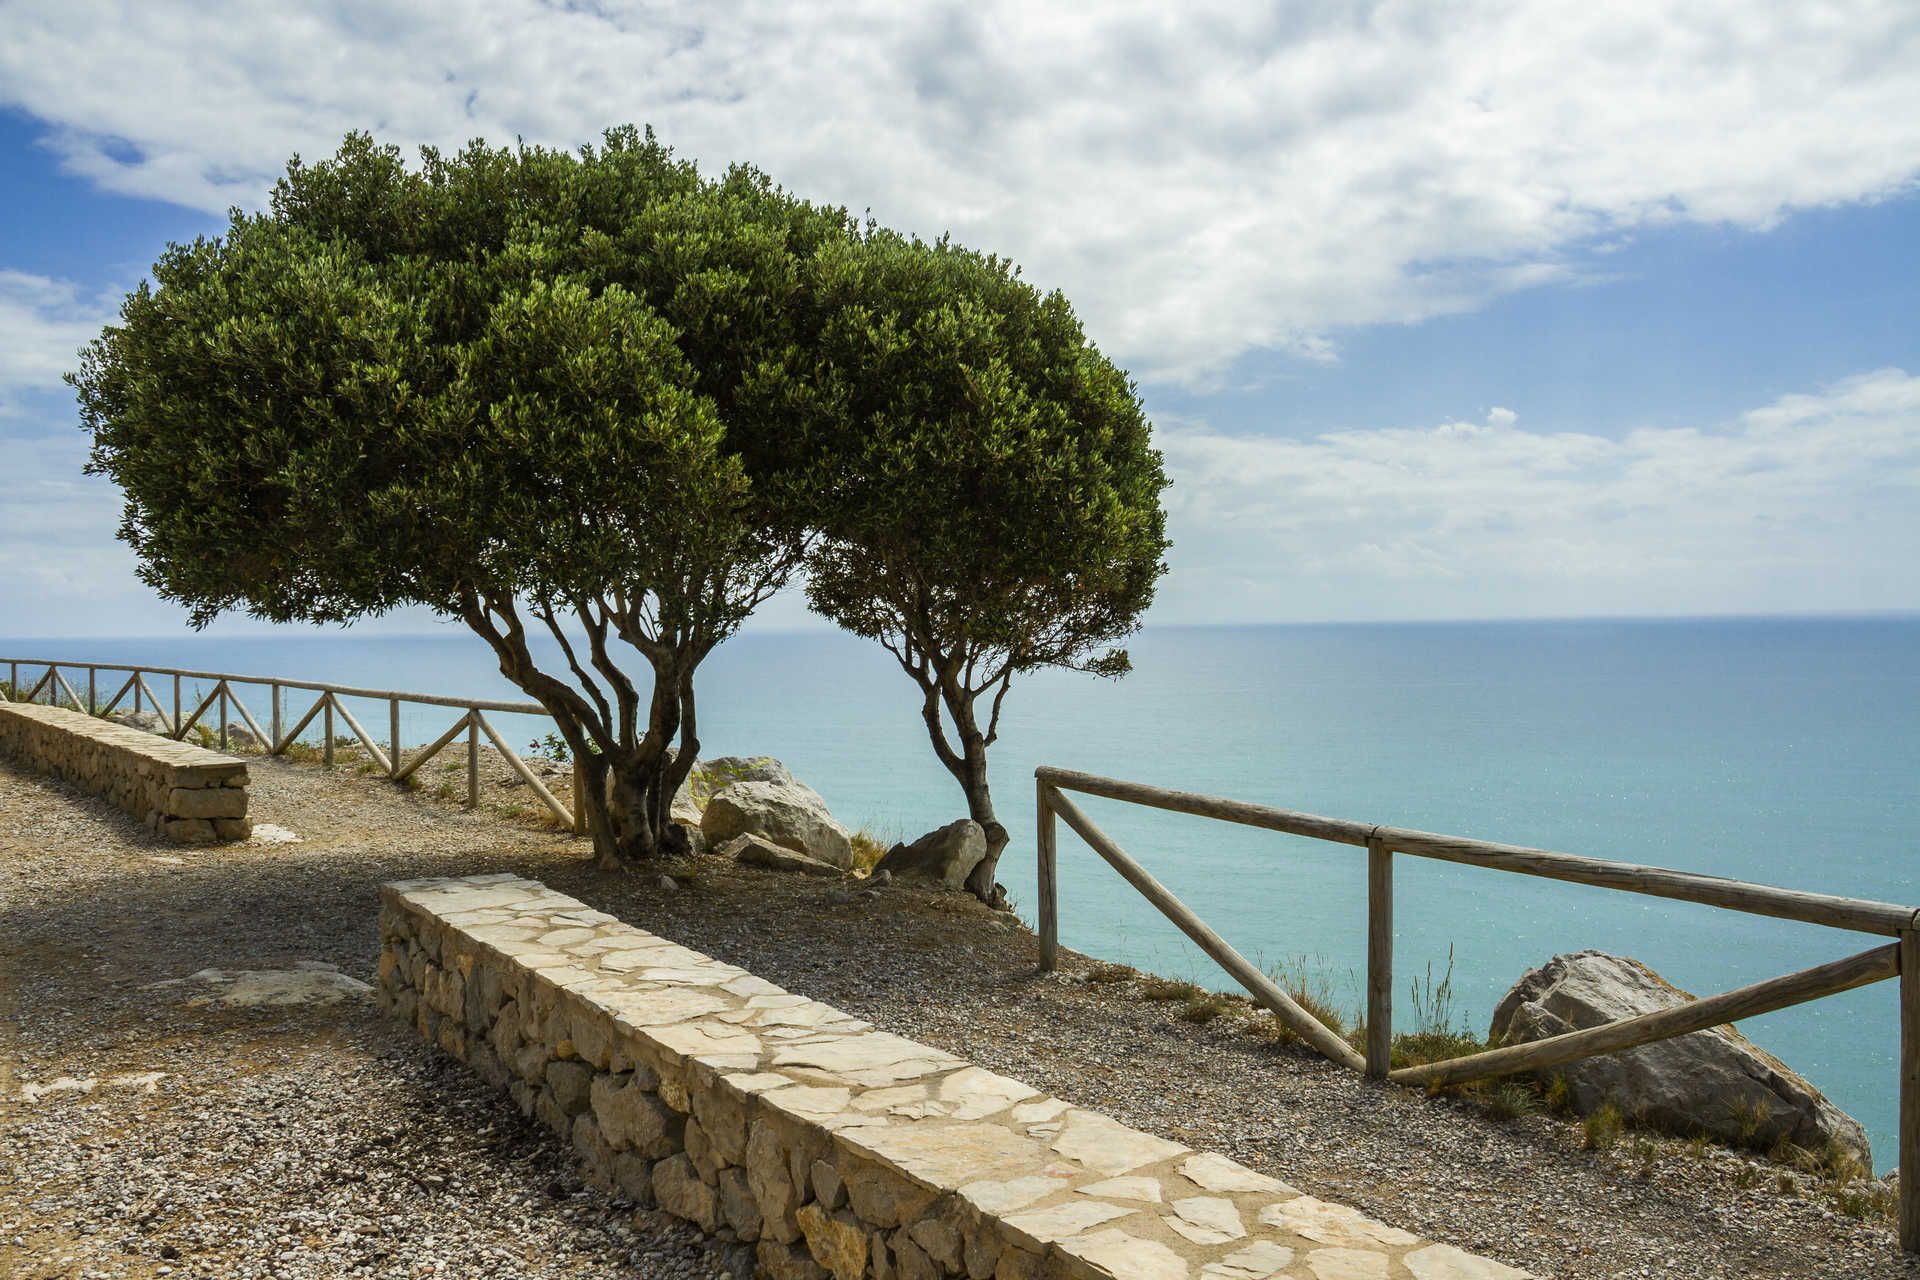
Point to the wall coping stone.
(842, 1148)
(184, 792)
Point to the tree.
(545, 394)
(995, 500)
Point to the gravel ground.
(318, 1140)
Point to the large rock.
(758, 851)
(710, 777)
(146, 721)
(790, 814)
(1715, 1082)
(947, 856)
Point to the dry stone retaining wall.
(183, 792)
(837, 1148)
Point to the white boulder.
(1715, 1082)
(790, 814)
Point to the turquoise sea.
(1785, 751)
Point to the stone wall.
(835, 1147)
(183, 792)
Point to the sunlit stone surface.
(841, 1149)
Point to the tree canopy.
(543, 393)
(996, 501)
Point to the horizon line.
(1812, 615)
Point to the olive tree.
(995, 499)
(556, 397)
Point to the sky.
(1457, 310)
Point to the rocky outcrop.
(790, 814)
(758, 851)
(1716, 1082)
(946, 856)
(711, 776)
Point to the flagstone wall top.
(186, 793)
(838, 1147)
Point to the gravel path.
(318, 1140)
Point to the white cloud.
(43, 325)
(1809, 503)
(1204, 179)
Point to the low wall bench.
(184, 793)
(835, 1148)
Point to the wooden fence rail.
(224, 699)
(1900, 959)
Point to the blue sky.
(1440, 312)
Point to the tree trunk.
(628, 803)
(980, 808)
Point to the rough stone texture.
(843, 1150)
(946, 856)
(758, 851)
(184, 793)
(789, 814)
(1715, 1082)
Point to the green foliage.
(1165, 990)
(1205, 1007)
(552, 746)
(1509, 1100)
(1602, 1127)
(991, 496)
(529, 389)
(1307, 982)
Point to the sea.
(1779, 750)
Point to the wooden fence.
(54, 687)
(1899, 958)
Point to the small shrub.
(1647, 1152)
(1746, 1177)
(1311, 990)
(1787, 1184)
(1164, 990)
(1696, 1147)
(1557, 1095)
(1109, 973)
(1840, 1165)
(1509, 1100)
(1204, 1008)
(445, 791)
(1749, 1120)
(1602, 1127)
(553, 747)
(867, 851)
(1433, 1001)
(1865, 1200)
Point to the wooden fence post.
(1910, 1091)
(138, 684)
(326, 730)
(473, 759)
(179, 721)
(1044, 845)
(93, 696)
(1379, 959)
(273, 748)
(224, 694)
(393, 727)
